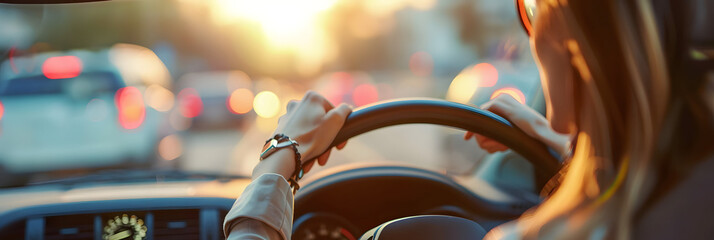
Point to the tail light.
(62, 67)
(2, 110)
(190, 103)
(130, 105)
(2, 113)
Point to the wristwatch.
(274, 145)
(281, 141)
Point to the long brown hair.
(642, 120)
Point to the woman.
(619, 79)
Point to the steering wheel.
(457, 115)
(445, 113)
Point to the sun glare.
(283, 21)
(290, 27)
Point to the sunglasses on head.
(526, 13)
(700, 44)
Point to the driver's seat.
(426, 227)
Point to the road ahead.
(428, 146)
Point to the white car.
(65, 110)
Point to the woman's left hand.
(525, 118)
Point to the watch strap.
(280, 141)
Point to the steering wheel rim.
(456, 115)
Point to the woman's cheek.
(557, 81)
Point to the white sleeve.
(263, 211)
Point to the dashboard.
(135, 209)
(157, 218)
(338, 203)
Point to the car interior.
(129, 195)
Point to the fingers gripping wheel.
(441, 112)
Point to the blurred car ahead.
(69, 110)
(214, 100)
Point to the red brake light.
(62, 67)
(365, 94)
(2, 110)
(190, 104)
(130, 105)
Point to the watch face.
(124, 227)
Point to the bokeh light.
(465, 84)
(62, 67)
(486, 74)
(170, 147)
(131, 108)
(190, 103)
(139, 65)
(421, 64)
(461, 89)
(266, 104)
(340, 83)
(2, 110)
(240, 101)
(365, 94)
(159, 98)
(513, 92)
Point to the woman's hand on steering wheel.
(525, 118)
(313, 122)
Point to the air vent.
(73, 227)
(176, 224)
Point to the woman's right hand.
(525, 118)
(313, 122)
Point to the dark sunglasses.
(526, 13)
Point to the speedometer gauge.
(124, 227)
(323, 226)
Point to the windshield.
(198, 85)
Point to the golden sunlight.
(292, 27)
(281, 20)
